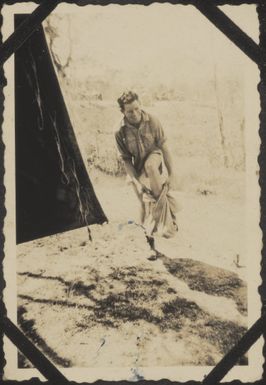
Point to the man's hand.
(172, 179)
(138, 185)
(141, 188)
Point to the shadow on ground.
(209, 279)
(133, 294)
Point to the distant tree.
(52, 34)
(220, 116)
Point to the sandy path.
(211, 227)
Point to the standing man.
(142, 145)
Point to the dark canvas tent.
(53, 189)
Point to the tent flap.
(53, 189)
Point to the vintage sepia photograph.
(134, 196)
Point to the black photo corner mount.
(262, 159)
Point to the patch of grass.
(79, 288)
(29, 329)
(178, 312)
(23, 362)
(223, 334)
(76, 287)
(181, 307)
(134, 294)
(209, 279)
(120, 307)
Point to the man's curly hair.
(126, 98)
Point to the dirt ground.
(106, 304)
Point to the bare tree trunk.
(52, 34)
(220, 118)
(218, 108)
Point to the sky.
(159, 43)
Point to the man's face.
(132, 112)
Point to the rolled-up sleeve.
(158, 131)
(125, 154)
